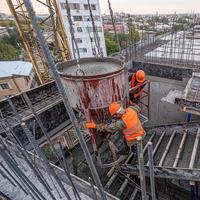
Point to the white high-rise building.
(84, 35)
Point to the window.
(78, 18)
(96, 18)
(91, 39)
(79, 40)
(82, 50)
(4, 86)
(90, 29)
(72, 6)
(79, 29)
(93, 6)
(63, 5)
(86, 7)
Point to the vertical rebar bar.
(151, 169)
(93, 189)
(28, 159)
(65, 168)
(141, 168)
(38, 150)
(63, 94)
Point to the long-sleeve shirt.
(116, 125)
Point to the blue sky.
(140, 6)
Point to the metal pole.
(76, 194)
(27, 158)
(32, 190)
(141, 168)
(93, 189)
(16, 181)
(63, 94)
(151, 169)
(38, 150)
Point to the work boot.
(124, 152)
(134, 150)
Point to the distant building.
(83, 26)
(15, 77)
(120, 28)
(3, 31)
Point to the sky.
(137, 6)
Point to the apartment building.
(83, 26)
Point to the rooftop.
(10, 68)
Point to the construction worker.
(125, 120)
(138, 80)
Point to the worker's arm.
(135, 107)
(112, 127)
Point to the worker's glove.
(90, 125)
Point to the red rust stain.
(94, 83)
(118, 92)
(113, 85)
(85, 98)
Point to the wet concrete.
(92, 68)
(162, 112)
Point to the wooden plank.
(133, 195)
(194, 151)
(157, 145)
(180, 149)
(167, 148)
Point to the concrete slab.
(162, 112)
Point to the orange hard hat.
(114, 107)
(140, 76)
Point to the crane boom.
(54, 33)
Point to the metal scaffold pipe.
(63, 94)
(141, 168)
(151, 169)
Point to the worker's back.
(134, 127)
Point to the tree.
(8, 52)
(133, 34)
(111, 46)
(12, 38)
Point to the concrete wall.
(162, 71)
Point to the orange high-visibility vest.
(134, 127)
(134, 83)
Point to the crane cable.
(74, 42)
(95, 31)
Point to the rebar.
(28, 160)
(39, 152)
(151, 169)
(63, 94)
(141, 168)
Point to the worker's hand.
(90, 125)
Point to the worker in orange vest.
(137, 84)
(126, 120)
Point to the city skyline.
(136, 6)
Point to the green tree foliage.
(133, 34)
(12, 38)
(177, 27)
(111, 46)
(8, 52)
(10, 45)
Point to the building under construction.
(46, 152)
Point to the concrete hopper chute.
(92, 85)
